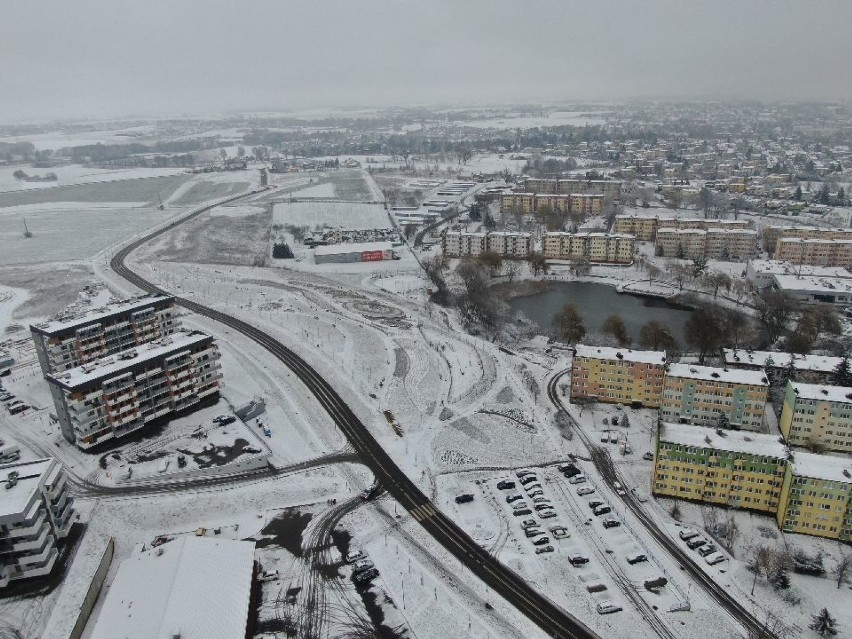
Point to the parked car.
(541, 541)
(577, 559)
(714, 558)
(547, 514)
(695, 542)
(602, 510)
(365, 576)
(363, 564)
(607, 607)
(463, 499)
(530, 487)
(594, 503)
(543, 549)
(649, 456)
(518, 505)
(585, 490)
(572, 472)
(564, 468)
(687, 533)
(528, 479)
(609, 522)
(706, 549)
(17, 408)
(268, 575)
(540, 500)
(515, 497)
(543, 507)
(559, 532)
(523, 473)
(535, 493)
(533, 532)
(636, 557)
(522, 512)
(577, 479)
(528, 523)
(505, 484)
(619, 489)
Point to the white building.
(191, 587)
(760, 272)
(815, 289)
(35, 513)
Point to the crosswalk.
(423, 511)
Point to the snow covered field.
(343, 215)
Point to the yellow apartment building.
(518, 202)
(617, 375)
(708, 396)
(730, 244)
(817, 414)
(684, 243)
(722, 467)
(816, 496)
(814, 251)
(600, 248)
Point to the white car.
(353, 555)
(714, 558)
(607, 607)
(585, 490)
(577, 479)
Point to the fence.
(94, 590)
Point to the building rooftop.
(718, 231)
(508, 234)
(106, 367)
(65, 324)
(772, 267)
(191, 587)
(736, 441)
(823, 392)
(15, 500)
(355, 247)
(671, 229)
(818, 363)
(826, 467)
(625, 354)
(712, 374)
(813, 284)
(812, 240)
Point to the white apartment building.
(35, 514)
(507, 244)
(69, 342)
(112, 397)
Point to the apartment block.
(723, 467)
(816, 497)
(607, 188)
(517, 203)
(813, 369)
(682, 243)
(817, 414)
(71, 341)
(110, 398)
(586, 204)
(730, 244)
(507, 244)
(35, 514)
(617, 375)
(707, 396)
(603, 248)
(814, 251)
(645, 227)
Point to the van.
(607, 607)
(577, 479)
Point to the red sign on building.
(372, 256)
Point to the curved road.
(603, 463)
(552, 619)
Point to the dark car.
(463, 499)
(511, 498)
(609, 522)
(571, 471)
(533, 532)
(505, 484)
(594, 503)
(522, 512)
(602, 510)
(365, 576)
(528, 479)
(541, 541)
(543, 507)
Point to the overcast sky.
(111, 57)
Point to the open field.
(135, 190)
(346, 215)
(205, 190)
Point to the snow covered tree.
(842, 376)
(798, 195)
(823, 624)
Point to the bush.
(282, 251)
(805, 564)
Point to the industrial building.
(617, 375)
(504, 243)
(723, 467)
(816, 414)
(35, 515)
(355, 252)
(814, 369)
(70, 341)
(707, 396)
(110, 398)
(190, 587)
(600, 248)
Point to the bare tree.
(614, 325)
(716, 280)
(569, 324)
(843, 568)
(538, 263)
(706, 329)
(775, 309)
(656, 336)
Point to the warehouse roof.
(830, 285)
(712, 374)
(192, 587)
(737, 441)
(625, 354)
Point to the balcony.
(26, 544)
(28, 528)
(43, 568)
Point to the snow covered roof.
(811, 240)
(671, 229)
(624, 354)
(15, 500)
(112, 364)
(712, 374)
(717, 231)
(826, 467)
(95, 315)
(770, 267)
(823, 392)
(192, 587)
(355, 247)
(819, 363)
(813, 284)
(737, 441)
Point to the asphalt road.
(552, 619)
(603, 463)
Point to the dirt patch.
(213, 455)
(474, 432)
(505, 396)
(285, 531)
(401, 364)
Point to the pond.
(596, 302)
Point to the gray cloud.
(103, 58)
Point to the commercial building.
(354, 252)
(190, 587)
(723, 467)
(617, 375)
(602, 248)
(707, 396)
(507, 244)
(815, 251)
(70, 341)
(711, 244)
(817, 414)
(816, 496)
(112, 397)
(35, 514)
(814, 289)
(645, 227)
(760, 272)
(814, 369)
